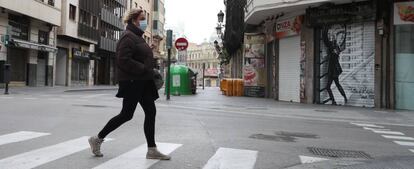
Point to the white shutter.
(289, 69)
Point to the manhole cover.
(338, 153)
(94, 106)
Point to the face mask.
(143, 25)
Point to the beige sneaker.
(153, 153)
(95, 144)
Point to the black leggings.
(128, 108)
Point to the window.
(72, 12)
(136, 5)
(43, 37)
(95, 22)
(148, 18)
(155, 5)
(130, 2)
(51, 2)
(84, 17)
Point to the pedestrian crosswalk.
(224, 158)
(398, 137)
(20, 136)
(59, 97)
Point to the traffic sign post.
(168, 79)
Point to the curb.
(97, 89)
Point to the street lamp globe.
(220, 16)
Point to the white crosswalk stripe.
(44, 155)
(227, 158)
(398, 137)
(367, 125)
(384, 131)
(412, 150)
(135, 159)
(20, 136)
(404, 143)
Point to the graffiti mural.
(347, 61)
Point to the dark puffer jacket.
(135, 60)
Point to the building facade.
(110, 29)
(203, 58)
(314, 52)
(28, 44)
(77, 39)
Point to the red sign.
(289, 27)
(181, 44)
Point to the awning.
(34, 46)
(258, 11)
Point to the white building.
(32, 27)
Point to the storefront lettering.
(347, 13)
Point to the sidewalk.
(56, 89)
(211, 99)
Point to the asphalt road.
(48, 130)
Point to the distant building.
(205, 53)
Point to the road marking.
(412, 150)
(404, 143)
(277, 115)
(385, 131)
(367, 125)
(398, 137)
(44, 155)
(227, 158)
(308, 159)
(368, 128)
(20, 136)
(136, 158)
(6, 97)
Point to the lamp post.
(220, 25)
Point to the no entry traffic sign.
(181, 44)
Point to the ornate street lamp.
(220, 16)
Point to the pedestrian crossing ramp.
(224, 158)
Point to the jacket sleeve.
(125, 58)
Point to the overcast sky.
(196, 19)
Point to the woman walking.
(135, 64)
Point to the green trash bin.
(181, 80)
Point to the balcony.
(36, 9)
(259, 10)
(107, 44)
(86, 31)
(111, 19)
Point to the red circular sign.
(181, 44)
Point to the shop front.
(289, 57)
(254, 70)
(345, 53)
(80, 67)
(404, 55)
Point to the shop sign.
(213, 72)
(341, 14)
(80, 54)
(404, 13)
(289, 27)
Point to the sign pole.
(204, 68)
(169, 46)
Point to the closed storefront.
(345, 57)
(404, 55)
(288, 35)
(289, 69)
(80, 67)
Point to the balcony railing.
(88, 32)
